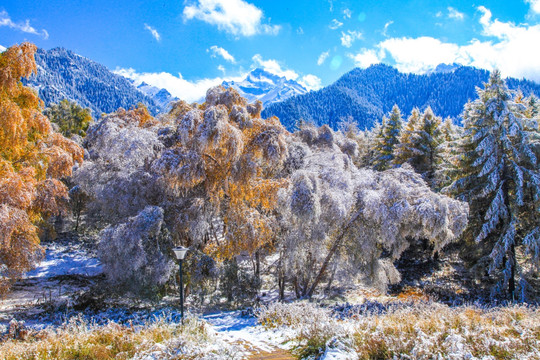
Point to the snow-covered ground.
(243, 328)
(67, 269)
(62, 259)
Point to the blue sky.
(188, 46)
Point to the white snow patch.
(63, 260)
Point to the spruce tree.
(405, 150)
(387, 140)
(447, 151)
(498, 176)
(420, 143)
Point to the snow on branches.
(364, 219)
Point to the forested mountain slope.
(366, 94)
(62, 74)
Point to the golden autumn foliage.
(228, 158)
(32, 160)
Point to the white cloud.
(221, 68)
(236, 17)
(347, 38)
(365, 58)
(219, 51)
(2, 48)
(509, 48)
(535, 5)
(153, 31)
(386, 26)
(310, 82)
(189, 91)
(25, 26)
(322, 58)
(418, 55)
(347, 13)
(455, 14)
(335, 24)
(274, 67)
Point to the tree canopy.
(33, 159)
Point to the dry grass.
(78, 339)
(416, 331)
(433, 331)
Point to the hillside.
(62, 74)
(365, 95)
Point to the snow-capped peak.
(267, 87)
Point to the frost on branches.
(224, 181)
(341, 219)
(134, 253)
(500, 179)
(116, 171)
(223, 164)
(33, 159)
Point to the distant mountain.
(62, 74)
(162, 97)
(365, 95)
(266, 87)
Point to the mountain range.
(361, 95)
(365, 95)
(266, 87)
(62, 74)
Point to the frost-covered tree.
(405, 150)
(355, 221)
(387, 140)
(446, 153)
(420, 144)
(135, 253)
(116, 173)
(498, 175)
(224, 164)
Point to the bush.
(134, 254)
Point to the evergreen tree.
(70, 117)
(447, 150)
(420, 143)
(405, 149)
(387, 140)
(500, 179)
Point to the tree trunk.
(512, 281)
(332, 275)
(281, 286)
(258, 265)
(331, 253)
(281, 276)
(512, 254)
(296, 288)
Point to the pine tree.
(387, 140)
(447, 149)
(419, 145)
(405, 149)
(70, 117)
(499, 177)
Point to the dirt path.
(277, 354)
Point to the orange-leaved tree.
(227, 161)
(32, 160)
